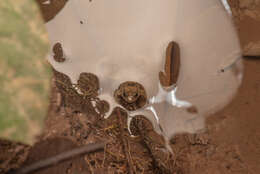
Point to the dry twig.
(61, 157)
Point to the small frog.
(131, 95)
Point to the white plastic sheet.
(126, 41)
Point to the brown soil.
(247, 19)
(83, 124)
(12, 155)
(230, 144)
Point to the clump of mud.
(12, 155)
(58, 53)
(144, 152)
(73, 121)
(84, 123)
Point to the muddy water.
(126, 41)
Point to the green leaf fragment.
(24, 71)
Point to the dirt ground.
(246, 15)
(230, 145)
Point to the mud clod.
(58, 53)
(88, 84)
(162, 158)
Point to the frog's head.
(131, 95)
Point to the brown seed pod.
(88, 84)
(172, 65)
(131, 95)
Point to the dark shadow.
(253, 58)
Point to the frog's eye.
(130, 91)
(136, 95)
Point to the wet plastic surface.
(126, 41)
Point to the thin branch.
(61, 157)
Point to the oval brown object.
(50, 10)
(58, 53)
(131, 95)
(140, 123)
(62, 81)
(172, 65)
(192, 110)
(102, 106)
(88, 84)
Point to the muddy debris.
(163, 158)
(144, 152)
(62, 82)
(102, 107)
(12, 155)
(123, 153)
(88, 84)
(50, 8)
(192, 110)
(58, 53)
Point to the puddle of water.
(126, 41)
